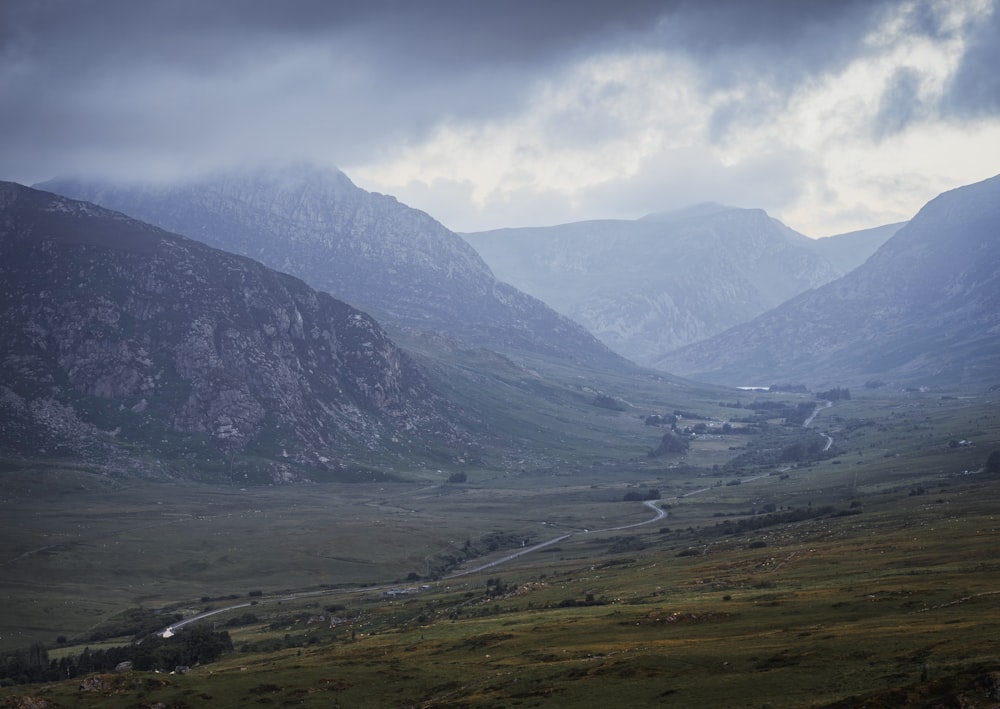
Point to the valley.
(223, 487)
(403, 355)
(866, 577)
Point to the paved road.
(172, 629)
(651, 504)
(808, 422)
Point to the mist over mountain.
(367, 249)
(924, 308)
(135, 348)
(669, 279)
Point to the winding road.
(651, 504)
(172, 629)
(808, 422)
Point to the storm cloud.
(494, 114)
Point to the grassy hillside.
(867, 576)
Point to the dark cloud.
(900, 104)
(155, 87)
(432, 33)
(780, 41)
(119, 78)
(975, 87)
(756, 106)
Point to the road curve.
(651, 504)
(174, 627)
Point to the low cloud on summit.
(831, 116)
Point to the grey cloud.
(975, 87)
(164, 85)
(455, 34)
(780, 41)
(688, 176)
(757, 106)
(94, 83)
(900, 104)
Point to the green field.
(869, 576)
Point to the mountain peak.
(695, 211)
(366, 248)
(650, 285)
(925, 307)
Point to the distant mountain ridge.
(923, 309)
(365, 248)
(654, 284)
(125, 344)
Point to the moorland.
(783, 574)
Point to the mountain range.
(392, 261)
(648, 286)
(918, 304)
(923, 309)
(136, 348)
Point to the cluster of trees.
(835, 394)
(495, 588)
(777, 446)
(802, 451)
(486, 544)
(640, 495)
(671, 442)
(661, 420)
(134, 622)
(192, 646)
(799, 514)
(604, 401)
(589, 600)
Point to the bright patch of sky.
(872, 145)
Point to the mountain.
(365, 248)
(654, 284)
(848, 251)
(130, 347)
(923, 309)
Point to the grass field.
(884, 591)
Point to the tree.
(670, 443)
(993, 462)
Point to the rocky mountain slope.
(651, 285)
(368, 249)
(124, 343)
(925, 308)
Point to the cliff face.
(365, 248)
(125, 342)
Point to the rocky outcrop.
(124, 340)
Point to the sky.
(832, 116)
